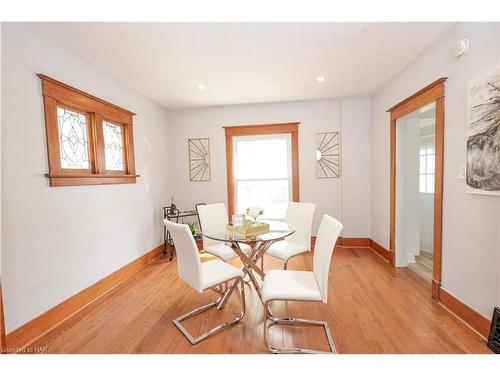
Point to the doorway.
(416, 186)
(415, 179)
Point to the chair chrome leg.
(212, 331)
(295, 321)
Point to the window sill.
(77, 179)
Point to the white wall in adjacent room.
(470, 269)
(407, 189)
(427, 222)
(58, 241)
(346, 198)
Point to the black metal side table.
(173, 214)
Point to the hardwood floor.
(372, 308)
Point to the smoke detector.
(460, 48)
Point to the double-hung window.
(262, 168)
(263, 173)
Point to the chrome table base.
(249, 266)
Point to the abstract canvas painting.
(328, 155)
(483, 137)
(199, 159)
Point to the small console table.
(173, 214)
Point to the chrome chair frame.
(291, 321)
(223, 296)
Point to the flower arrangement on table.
(254, 212)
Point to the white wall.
(407, 239)
(471, 243)
(57, 241)
(351, 116)
(356, 156)
(427, 222)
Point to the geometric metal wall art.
(328, 155)
(199, 159)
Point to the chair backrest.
(300, 215)
(188, 258)
(328, 233)
(198, 215)
(213, 218)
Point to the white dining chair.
(213, 218)
(300, 216)
(287, 285)
(202, 276)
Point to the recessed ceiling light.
(201, 87)
(320, 79)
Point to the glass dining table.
(259, 244)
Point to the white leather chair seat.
(215, 272)
(290, 285)
(284, 250)
(225, 252)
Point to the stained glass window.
(113, 146)
(73, 139)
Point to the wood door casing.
(435, 92)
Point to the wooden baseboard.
(469, 316)
(347, 241)
(2, 323)
(352, 242)
(435, 287)
(479, 323)
(382, 251)
(47, 321)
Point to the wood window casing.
(57, 94)
(291, 128)
(435, 92)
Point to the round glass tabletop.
(277, 231)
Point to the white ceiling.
(247, 62)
